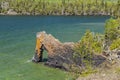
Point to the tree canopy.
(63, 7)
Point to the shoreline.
(20, 14)
(62, 8)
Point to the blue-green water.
(17, 42)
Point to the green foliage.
(112, 32)
(65, 7)
(87, 72)
(90, 43)
(115, 44)
(118, 70)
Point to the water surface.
(17, 42)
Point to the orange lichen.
(39, 41)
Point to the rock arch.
(57, 51)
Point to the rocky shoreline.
(12, 12)
(46, 8)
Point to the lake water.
(17, 42)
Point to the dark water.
(17, 42)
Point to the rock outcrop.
(60, 55)
(112, 55)
(11, 12)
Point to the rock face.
(112, 55)
(11, 12)
(60, 55)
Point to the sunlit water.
(17, 42)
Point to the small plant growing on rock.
(112, 33)
(115, 44)
(89, 45)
